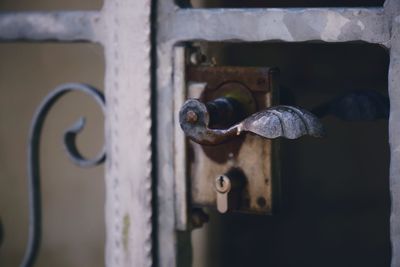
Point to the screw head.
(191, 116)
(196, 58)
(223, 184)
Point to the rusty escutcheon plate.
(255, 157)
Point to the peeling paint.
(334, 26)
(362, 26)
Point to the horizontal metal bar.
(290, 25)
(50, 26)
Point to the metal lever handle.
(289, 122)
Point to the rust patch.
(125, 231)
(251, 154)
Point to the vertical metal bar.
(127, 44)
(394, 140)
(180, 170)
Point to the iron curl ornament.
(35, 207)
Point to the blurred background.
(73, 198)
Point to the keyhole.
(222, 184)
(221, 181)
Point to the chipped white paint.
(284, 31)
(128, 132)
(362, 26)
(334, 25)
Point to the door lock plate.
(255, 158)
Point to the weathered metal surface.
(229, 189)
(35, 207)
(127, 46)
(231, 94)
(180, 149)
(51, 26)
(199, 131)
(280, 121)
(252, 155)
(297, 24)
(394, 140)
(240, 25)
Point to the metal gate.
(127, 29)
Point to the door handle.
(200, 121)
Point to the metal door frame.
(378, 25)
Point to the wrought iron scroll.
(35, 213)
